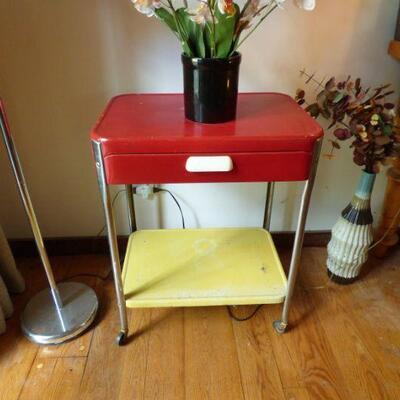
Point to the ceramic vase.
(352, 234)
(211, 88)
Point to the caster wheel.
(279, 326)
(121, 338)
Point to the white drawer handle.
(209, 164)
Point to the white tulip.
(146, 7)
(202, 14)
(307, 5)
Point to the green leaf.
(339, 96)
(208, 41)
(224, 31)
(167, 18)
(387, 130)
(180, 30)
(194, 32)
(198, 40)
(313, 110)
(325, 113)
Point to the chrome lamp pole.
(63, 311)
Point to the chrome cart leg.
(268, 205)
(281, 325)
(112, 241)
(131, 208)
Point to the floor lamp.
(62, 311)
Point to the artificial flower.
(375, 119)
(202, 14)
(391, 113)
(226, 7)
(362, 132)
(146, 7)
(279, 3)
(253, 7)
(342, 133)
(179, 18)
(250, 11)
(307, 5)
(369, 122)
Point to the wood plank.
(308, 350)
(289, 372)
(352, 356)
(211, 360)
(374, 310)
(297, 394)
(343, 344)
(17, 353)
(54, 378)
(371, 306)
(114, 372)
(98, 265)
(259, 371)
(165, 358)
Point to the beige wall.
(61, 61)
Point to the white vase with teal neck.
(352, 234)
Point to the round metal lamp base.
(43, 323)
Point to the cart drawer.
(173, 168)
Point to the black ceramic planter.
(211, 88)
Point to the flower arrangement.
(362, 115)
(215, 28)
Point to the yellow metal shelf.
(202, 267)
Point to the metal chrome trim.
(299, 237)
(131, 207)
(268, 205)
(111, 234)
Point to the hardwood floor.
(345, 344)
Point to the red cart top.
(155, 123)
(145, 138)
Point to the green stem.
(237, 33)
(255, 27)
(181, 31)
(261, 10)
(210, 7)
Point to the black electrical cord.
(242, 319)
(112, 205)
(83, 274)
(106, 277)
(176, 202)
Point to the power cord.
(242, 319)
(115, 198)
(84, 274)
(156, 190)
(325, 285)
(112, 205)
(102, 278)
(231, 314)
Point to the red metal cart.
(144, 138)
